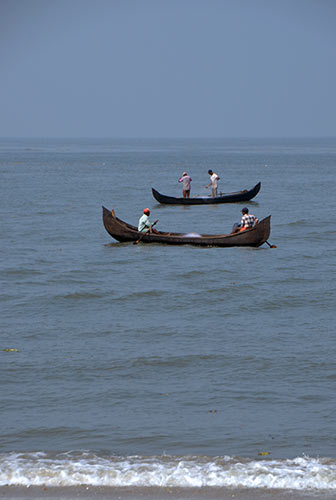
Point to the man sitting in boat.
(145, 225)
(247, 221)
(186, 179)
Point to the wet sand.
(106, 493)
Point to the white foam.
(75, 469)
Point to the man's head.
(245, 211)
(184, 173)
(210, 172)
(146, 211)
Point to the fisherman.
(186, 179)
(145, 225)
(213, 183)
(247, 221)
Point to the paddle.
(144, 234)
(271, 246)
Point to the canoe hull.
(124, 232)
(239, 196)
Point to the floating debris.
(10, 350)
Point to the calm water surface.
(167, 355)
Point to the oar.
(144, 234)
(271, 246)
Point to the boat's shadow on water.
(117, 244)
(216, 206)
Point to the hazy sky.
(167, 68)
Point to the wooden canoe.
(245, 195)
(121, 231)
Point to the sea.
(153, 371)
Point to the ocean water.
(170, 367)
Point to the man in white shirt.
(213, 183)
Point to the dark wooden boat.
(121, 231)
(245, 195)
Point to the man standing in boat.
(145, 225)
(186, 179)
(213, 183)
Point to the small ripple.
(20, 272)
(175, 361)
(193, 274)
(137, 295)
(79, 296)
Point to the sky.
(167, 68)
